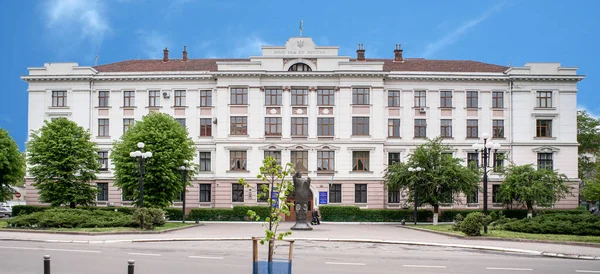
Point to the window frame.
(299, 156)
(326, 158)
(276, 154)
(299, 97)
(446, 128)
(361, 194)
(273, 97)
(545, 160)
(273, 123)
(179, 120)
(495, 190)
(543, 126)
(497, 128)
(102, 195)
(392, 159)
(446, 99)
(544, 99)
(393, 98)
(206, 98)
(103, 98)
(128, 98)
(335, 193)
(260, 190)
(59, 98)
(393, 197)
(420, 98)
(472, 99)
(103, 160)
(204, 163)
(302, 127)
(180, 100)
(473, 157)
(323, 127)
(472, 128)
(420, 126)
(237, 191)
(328, 94)
(127, 124)
(394, 128)
(205, 193)
(359, 157)
(497, 99)
(103, 127)
(472, 198)
(300, 67)
(361, 96)
(154, 98)
(236, 156)
(238, 125)
(360, 126)
(205, 127)
(238, 96)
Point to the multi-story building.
(340, 120)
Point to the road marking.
(424, 266)
(202, 257)
(587, 271)
(508, 268)
(50, 249)
(144, 254)
(339, 263)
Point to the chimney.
(360, 53)
(184, 54)
(398, 54)
(165, 55)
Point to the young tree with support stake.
(279, 186)
(12, 166)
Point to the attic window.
(300, 67)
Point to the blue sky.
(499, 32)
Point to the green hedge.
(448, 215)
(70, 218)
(28, 209)
(237, 213)
(570, 223)
(355, 214)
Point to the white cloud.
(153, 43)
(85, 17)
(594, 113)
(248, 46)
(455, 34)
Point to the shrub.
(473, 223)
(458, 219)
(572, 224)
(71, 218)
(27, 209)
(174, 214)
(355, 214)
(237, 213)
(148, 218)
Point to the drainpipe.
(510, 90)
(91, 105)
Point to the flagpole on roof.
(301, 27)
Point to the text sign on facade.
(274, 196)
(322, 197)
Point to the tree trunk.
(436, 208)
(72, 205)
(271, 245)
(529, 210)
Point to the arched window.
(300, 67)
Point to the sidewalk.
(390, 233)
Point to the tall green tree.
(63, 162)
(443, 177)
(12, 166)
(170, 146)
(528, 186)
(591, 190)
(588, 137)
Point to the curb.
(375, 241)
(597, 245)
(97, 233)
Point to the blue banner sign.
(322, 197)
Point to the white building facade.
(341, 120)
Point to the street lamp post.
(184, 170)
(142, 156)
(417, 169)
(486, 150)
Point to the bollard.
(46, 264)
(130, 265)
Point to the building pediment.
(546, 149)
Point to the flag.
(301, 25)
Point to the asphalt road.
(235, 257)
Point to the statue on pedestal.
(302, 192)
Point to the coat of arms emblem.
(300, 43)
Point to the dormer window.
(300, 67)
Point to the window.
(103, 97)
(103, 128)
(206, 127)
(360, 96)
(154, 98)
(299, 97)
(205, 98)
(205, 161)
(495, 189)
(300, 67)
(498, 162)
(393, 98)
(102, 191)
(205, 193)
(472, 99)
(239, 125)
(394, 128)
(393, 157)
(299, 126)
(393, 197)
(103, 160)
(473, 160)
(360, 125)
(498, 128)
(239, 96)
(237, 160)
(59, 98)
(128, 98)
(325, 97)
(273, 97)
(274, 154)
(180, 98)
(272, 126)
(325, 127)
(360, 161)
(420, 99)
(544, 99)
(360, 193)
(473, 197)
(446, 99)
(420, 128)
(545, 161)
(325, 160)
(472, 128)
(446, 128)
(497, 99)
(237, 193)
(262, 196)
(335, 193)
(543, 128)
(127, 124)
(300, 160)
(181, 121)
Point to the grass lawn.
(4, 224)
(517, 235)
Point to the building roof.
(409, 64)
